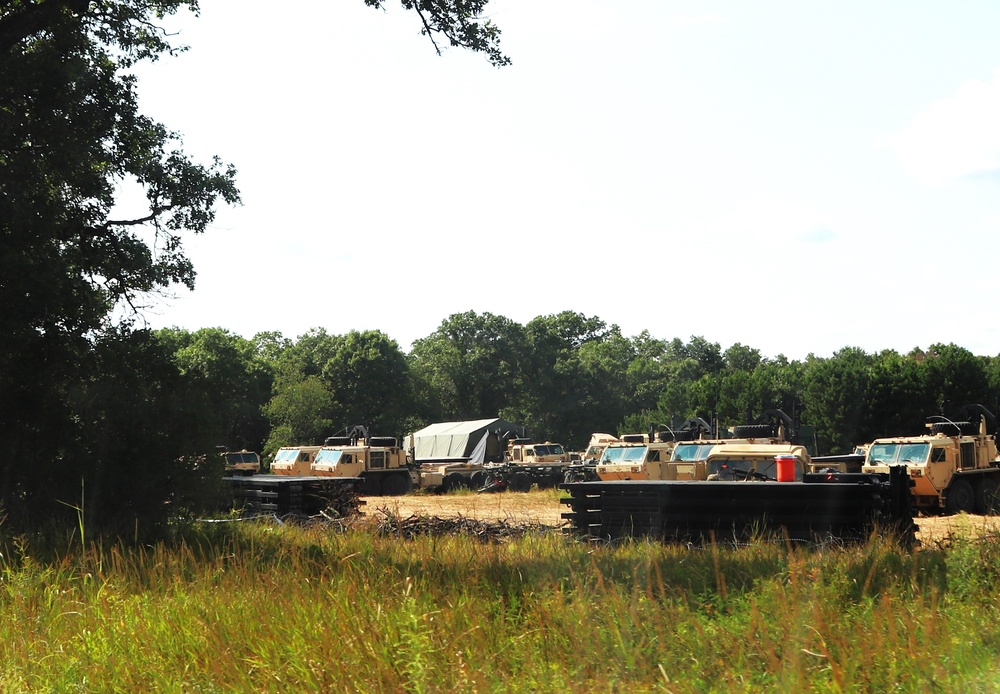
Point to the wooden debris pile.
(389, 523)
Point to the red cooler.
(786, 467)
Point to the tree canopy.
(81, 381)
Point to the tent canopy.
(475, 441)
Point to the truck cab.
(379, 461)
(952, 468)
(520, 452)
(294, 460)
(241, 462)
(635, 457)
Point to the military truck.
(291, 488)
(636, 457)
(953, 468)
(294, 461)
(682, 454)
(379, 461)
(528, 464)
(241, 462)
(585, 469)
(747, 461)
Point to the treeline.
(121, 435)
(562, 376)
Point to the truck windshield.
(287, 455)
(624, 454)
(549, 449)
(883, 453)
(692, 451)
(328, 457)
(234, 458)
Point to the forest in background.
(561, 376)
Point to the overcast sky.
(797, 177)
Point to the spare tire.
(753, 431)
(388, 441)
(955, 428)
(337, 441)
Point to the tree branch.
(28, 19)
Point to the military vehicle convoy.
(953, 468)
(683, 454)
(292, 488)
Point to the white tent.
(475, 441)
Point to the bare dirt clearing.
(542, 507)
(538, 507)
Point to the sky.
(795, 177)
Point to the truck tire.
(478, 480)
(454, 481)
(371, 485)
(960, 497)
(520, 482)
(752, 431)
(988, 495)
(396, 484)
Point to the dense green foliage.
(263, 608)
(95, 201)
(567, 375)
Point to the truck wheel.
(396, 485)
(454, 481)
(960, 497)
(520, 482)
(371, 485)
(479, 480)
(988, 495)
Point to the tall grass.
(257, 607)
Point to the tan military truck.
(585, 469)
(652, 456)
(528, 464)
(380, 461)
(241, 462)
(747, 461)
(294, 460)
(635, 457)
(953, 468)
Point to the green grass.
(253, 607)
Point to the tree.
(573, 380)
(232, 383)
(471, 364)
(368, 376)
(75, 274)
(459, 22)
(836, 397)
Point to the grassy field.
(262, 607)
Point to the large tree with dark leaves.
(75, 272)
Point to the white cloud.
(953, 138)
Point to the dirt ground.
(540, 507)
(543, 507)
